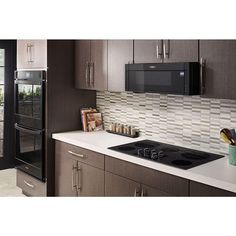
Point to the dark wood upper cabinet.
(91, 64)
(180, 50)
(120, 52)
(157, 51)
(218, 74)
(148, 51)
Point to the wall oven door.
(29, 99)
(29, 151)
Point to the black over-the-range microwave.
(172, 78)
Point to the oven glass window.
(29, 148)
(29, 99)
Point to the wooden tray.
(126, 135)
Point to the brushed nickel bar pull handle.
(31, 55)
(91, 74)
(166, 49)
(27, 51)
(142, 193)
(76, 154)
(157, 48)
(73, 181)
(202, 66)
(79, 187)
(87, 73)
(135, 192)
(28, 184)
(159, 52)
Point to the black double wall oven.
(30, 122)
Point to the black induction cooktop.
(176, 156)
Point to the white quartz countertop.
(218, 173)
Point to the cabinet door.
(65, 175)
(120, 52)
(119, 186)
(180, 50)
(98, 65)
(148, 51)
(203, 190)
(152, 192)
(219, 70)
(31, 54)
(82, 60)
(90, 181)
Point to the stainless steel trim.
(87, 73)
(28, 184)
(73, 180)
(76, 154)
(202, 65)
(91, 74)
(79, 178)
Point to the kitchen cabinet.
(91, 64)
(202, 190)
(78, 172)
(218, 59)
(151, 182)
(65, 171)
(31, 54)
(120, 52)
(157, 51)
(119, 186)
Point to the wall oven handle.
(28, 184)
(36, 132)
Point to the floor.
(8, 186)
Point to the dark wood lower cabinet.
(118, 186)
(147, 191)
(81, 172)
(90, 181)
(202, 190)
(78, 171)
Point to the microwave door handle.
(35, 132)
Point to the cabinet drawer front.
(80, 154)
(203, 190)
(29, 185)
(167, 183)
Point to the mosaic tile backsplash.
(189, 121)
